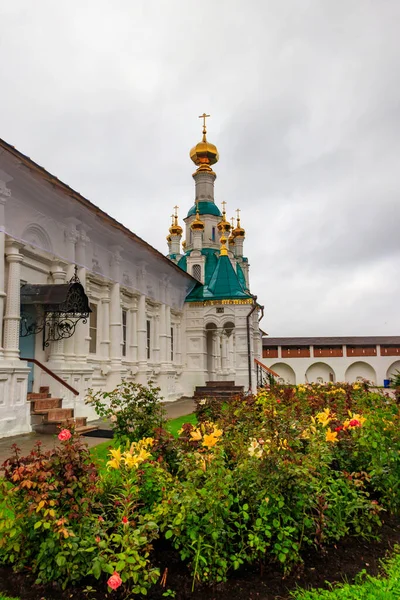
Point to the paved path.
(26, 442)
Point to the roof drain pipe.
(248, 340)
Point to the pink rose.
(64, 435)
(114, 581)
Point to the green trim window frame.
(124, 330)
(148, 339)
(93, 329)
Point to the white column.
(142, 333)
(156, 349)
(223, 352)
(133, 355)
(163, 335)
(57, 347)
(115, 325)
(105, 326)
(168, 332)
(13, 301)
(178, 344)
(4, 194)
(82, 329)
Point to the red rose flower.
(355, 423)
(114, 581)
(64, 435)
(339, 428)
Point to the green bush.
(134, 410)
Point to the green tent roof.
(205, 208)
(224, 284)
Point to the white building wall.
(346, 368)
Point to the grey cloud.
(305, 106)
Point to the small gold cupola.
(224, 226)
(238, 231)
(175, 228)
(204, 154)
(197, 224)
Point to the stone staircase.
(48, 415)
(223, 390)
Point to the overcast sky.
(304, 97)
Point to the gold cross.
(223, 206)
(204, 117)
(176, 210)
(232, 221)
(172, 217)
(238, 213)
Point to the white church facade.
(85, 303)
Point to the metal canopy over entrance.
(58, 310)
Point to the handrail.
(261, 367)
(53, 375)
(260, 364)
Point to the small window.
(93, 329)
(172, 344)
(124, 322)
(148, 339)
(213, 234)
(196, 272)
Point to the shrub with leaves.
(134, 410)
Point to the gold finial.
(204, 117)
(197, 224)
(223, 206)
(238, 231)
(223, 251)
(232, 221)
(175, 228)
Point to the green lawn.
(365, 588)
(100, 452)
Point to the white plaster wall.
(381, 365)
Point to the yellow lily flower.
(331, 436)
(195, 435)
(209, 440)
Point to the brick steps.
(222, 390)
(48, 416)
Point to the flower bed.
(268, 479)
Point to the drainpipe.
(248, 339)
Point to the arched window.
(196, 272)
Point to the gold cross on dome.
(223, 206)
(204, 117)
(232, 221)
(176, 210)
(238, 213)
(172, 217)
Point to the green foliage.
(395, 380)
(366, 587)
(134, 410)
(269, 477)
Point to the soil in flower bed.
(337, 564)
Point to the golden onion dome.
(204, 153)
(175, 229)
(168, 238)
(238, 231)
(224, 225)
(231, 240)
(184, 244)
(197, 224)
